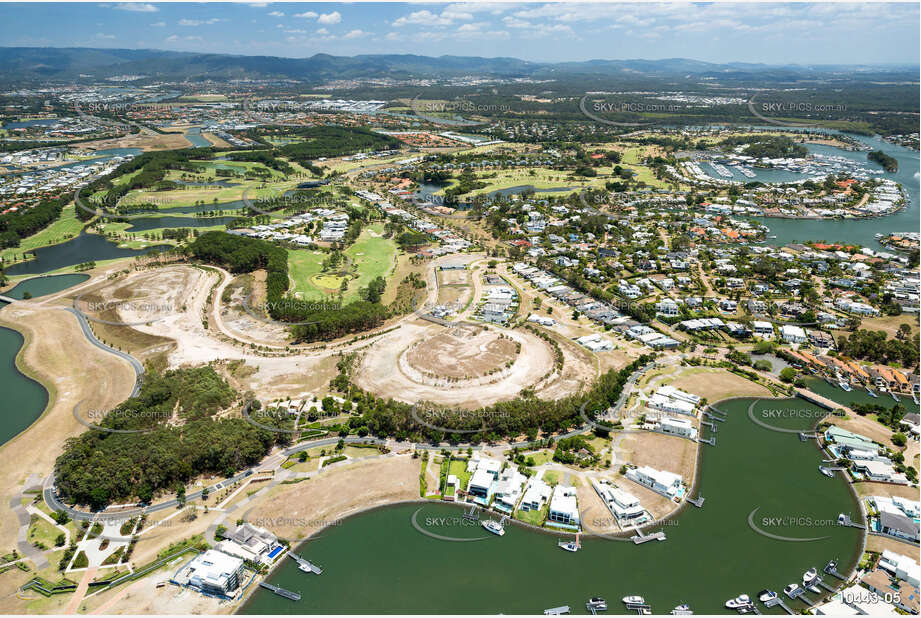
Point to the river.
(377, 562)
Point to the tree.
(787, 374)
(899, 439)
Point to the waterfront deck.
(698, 501)
(305, 565)
(641, 538)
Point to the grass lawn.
(459, 469)
(551, 477)
(66, 227)
(540, 457)
(40, 531)
(303, 265)
(535, 518)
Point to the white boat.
(682, 610)
(767, 595)
(570, 545)
(844, 385)
(826, 472)
(494, 527)
(739, 602)
(634, 600)
(872, 392)
(809, 577)
(792, 590)
(597, 603)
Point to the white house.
(564, 508)
(624, 506)
(677, 426)
(792, 334)
(660, 481)
(660, 402)
(762, 329)
(536, 495)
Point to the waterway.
(857, 231)
(859, 395)
(24, 399)
(152, 223)
(194, 136)
(377, 562)
(82, 248)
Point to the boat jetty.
(305, 565)
(294, 596)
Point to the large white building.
(564, 508)
(624, 506)
(212, 572)
(676, 426)
(660, 481)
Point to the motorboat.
(792, 590)
(739, 602)
(494, 527)
(765, 596)
(634, 600)
(682, 610)
(826, 472)
(844, 385)
(809, 577)
(597, 603)
(570, 545)
(871, 392)
(831, 566)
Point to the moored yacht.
(792, 590)
(741, 601)
(596, 603)
(809, 577)
(766, 596)
(494, 527)
(634, 600)
(682, 610)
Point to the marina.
(367, 545)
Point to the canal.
(377, 562)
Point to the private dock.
(832, 569)
(557, 611)
(711, 412)
(305, 565)
(806, 436)
(472, 514)
(711, 440)
(643, 538)
(712, 426)
(845, 520)
(639, 608)
(698, 501)
(294, 596)
(777, 601)
(819, 582)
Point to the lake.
(82, 248)
(377, 562)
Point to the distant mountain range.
(23, 64)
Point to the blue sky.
(824, 33)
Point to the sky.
(770, 33)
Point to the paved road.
(91, 336)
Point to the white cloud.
(276, 14)
(259, 5)
(100, 35)
(306, 15)
(158, 24)
(355, 34)
(322, 32)
(330, 18)
(423, 17)
(198, 22)
(137, 7)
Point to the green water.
(377, 562)
(24, 399)
(40, 286)
(858, 395)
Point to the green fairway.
(372, 256)
(63, 229)
(369, 257)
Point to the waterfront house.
(898, 526)
(662, 482)
(564, 508)
(509, 489)
(624, 506)
(676, 426)
(849, 440)
(536, 494)
(213, 573)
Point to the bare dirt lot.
(660, 452)
(466, 350)
(716, 384)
